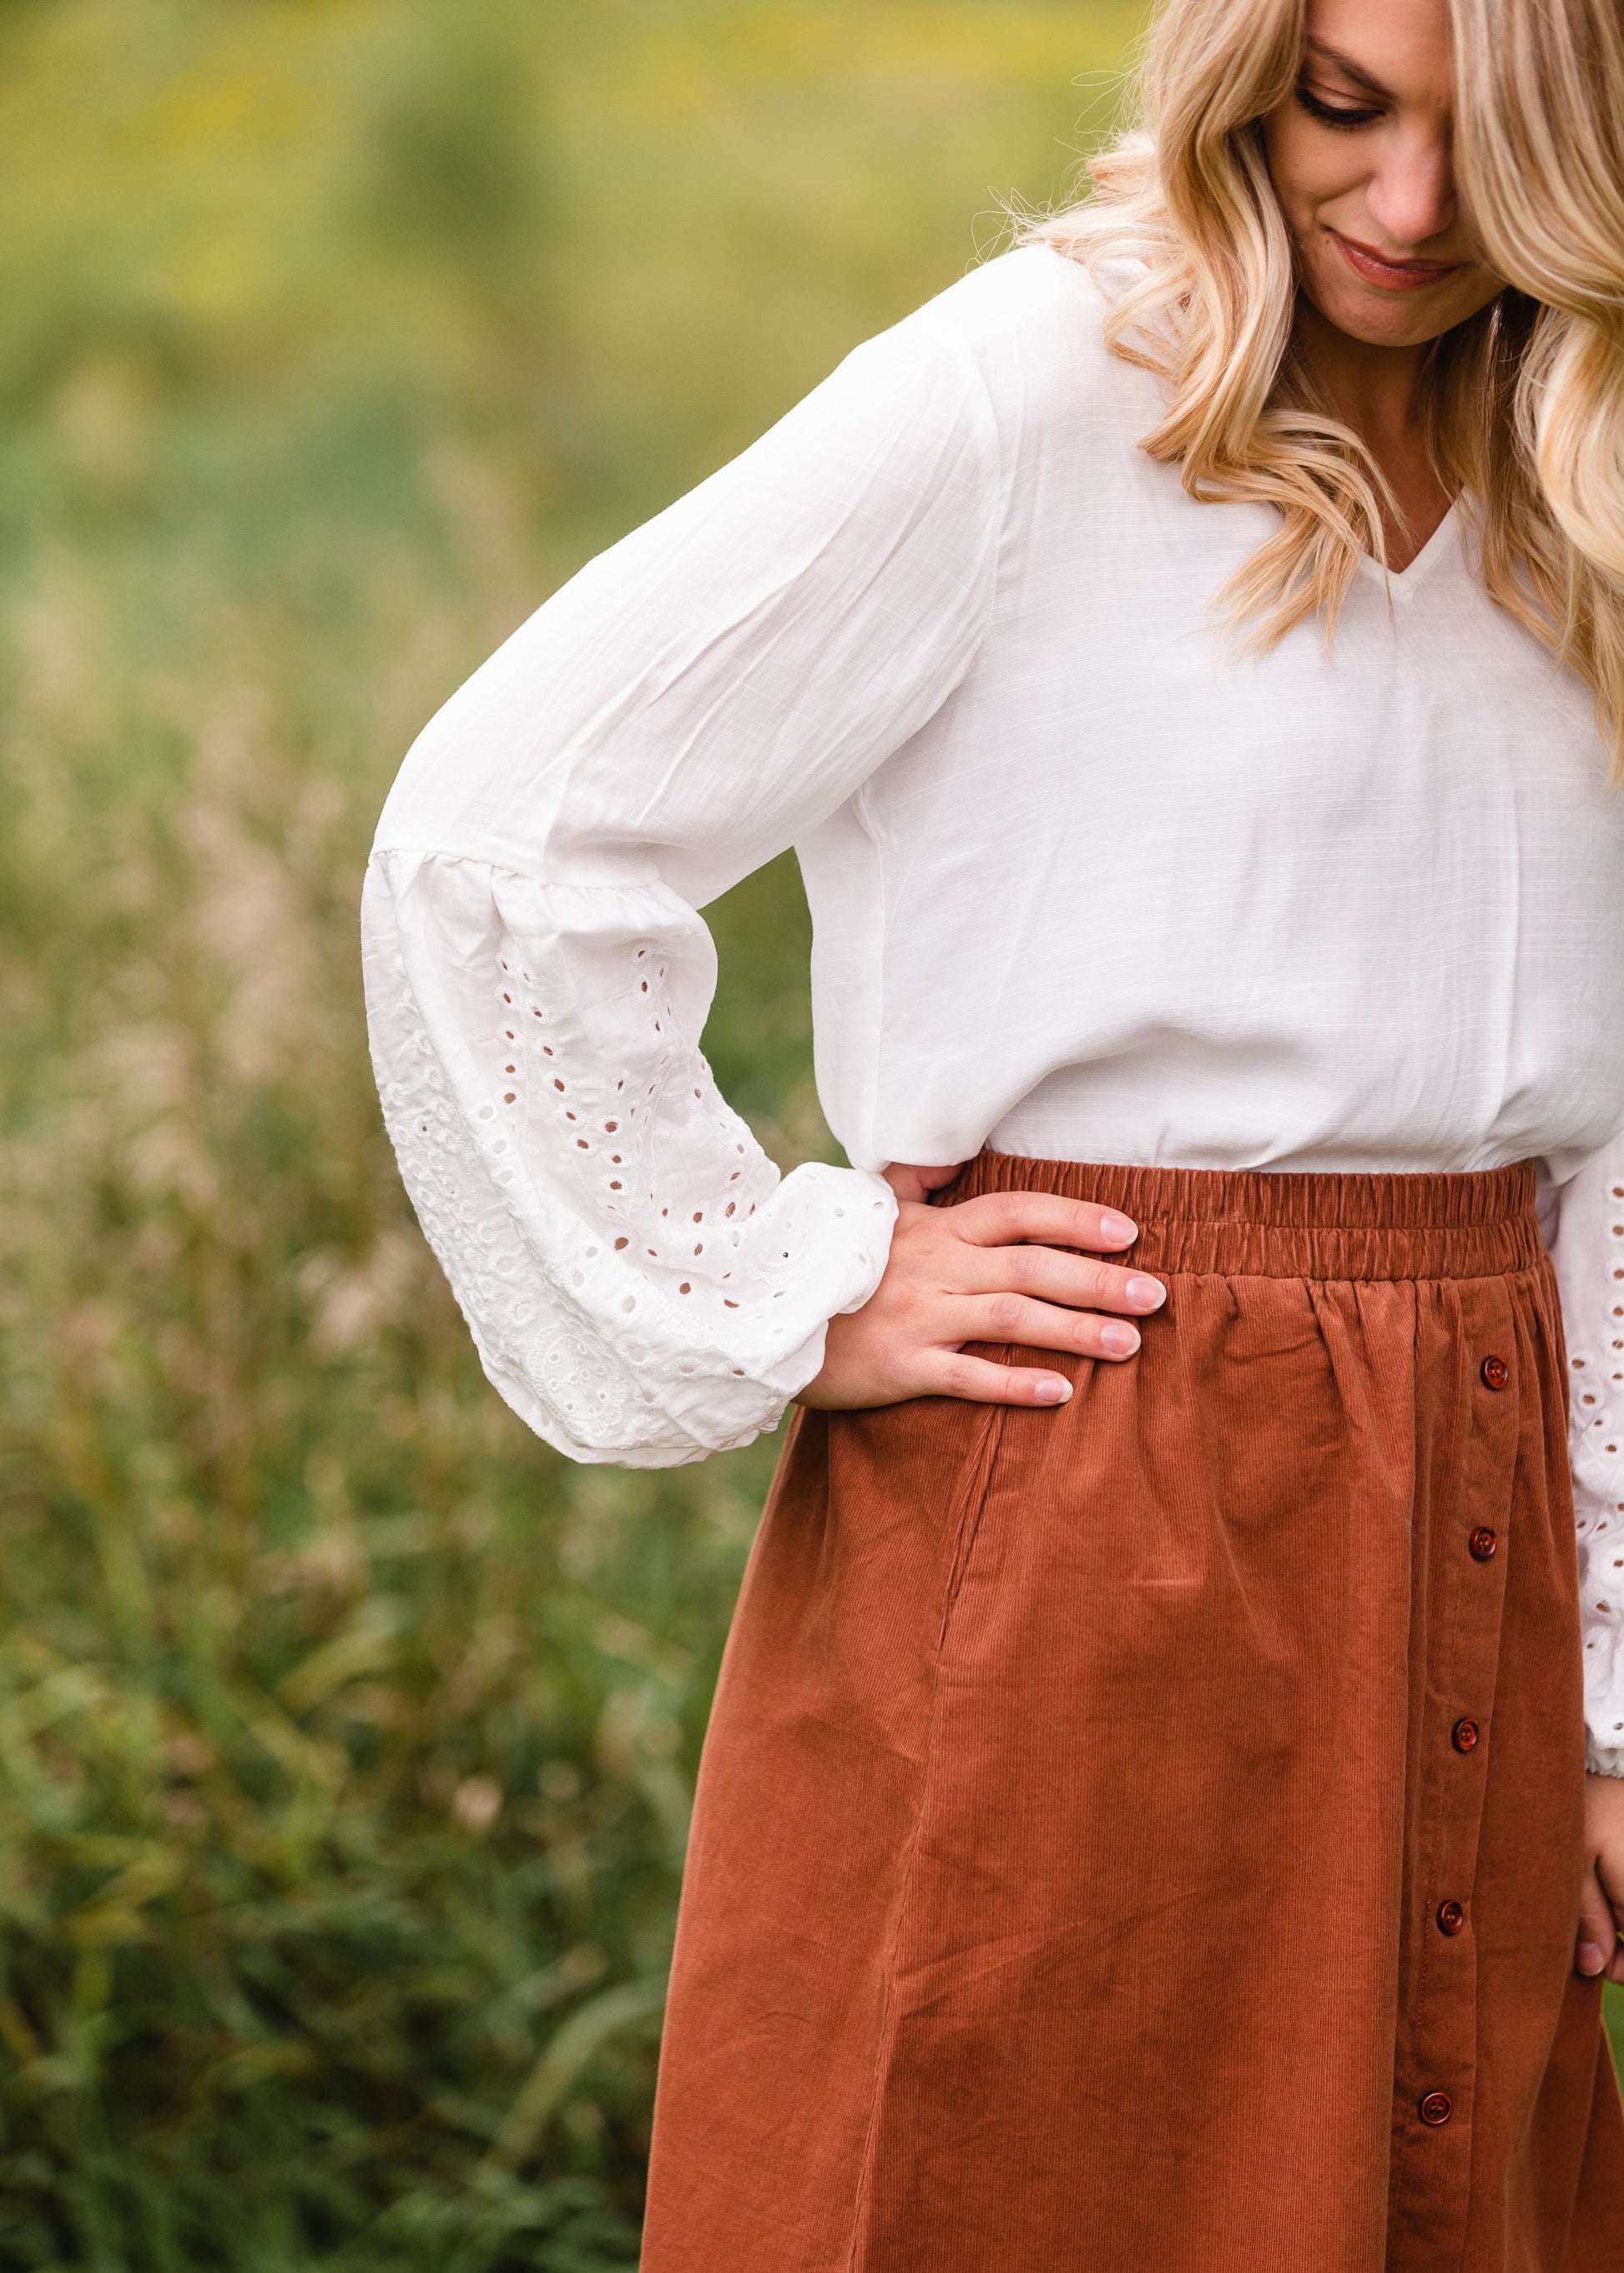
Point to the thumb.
(1597, 1932)
(912, 1183)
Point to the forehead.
(1402, 45)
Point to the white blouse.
(1086, 883)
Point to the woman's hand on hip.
(998, 1269)
(1601, 1905)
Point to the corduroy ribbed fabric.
(1144, 1837)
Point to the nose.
(1411, 194)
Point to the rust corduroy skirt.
(1145, 1837)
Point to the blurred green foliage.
(346, 1734)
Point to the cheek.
(1307, 166)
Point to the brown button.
(1465, 1736)
(1436, 2108)
(1451, 1919)
(1483, 1543)
(1495, 1371)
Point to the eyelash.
(1346, 122)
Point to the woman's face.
(1360, 157)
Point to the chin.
(1406, 320)
(1405, 327)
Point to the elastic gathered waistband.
(1252, 1224)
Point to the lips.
(1372, 267)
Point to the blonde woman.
(1144, 1825)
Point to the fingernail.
(1119, 1229)
(1591, 1958)
(1121, 1340)
(1146, 1293)
(1054, 1389)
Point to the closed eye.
(1345, 117)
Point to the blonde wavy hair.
(1525, 401)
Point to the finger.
(1607, 1861)
(1040, 1326)
(1050, 1274)
(1009, 1219)
(1615, 1912)
(949, 1373)
(1598, 1942)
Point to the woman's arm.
(642, 1285)
(1589, 1254)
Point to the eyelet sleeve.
(642, 1284)
(1589, 1254)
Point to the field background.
(346, 1734)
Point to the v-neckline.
(1402, 582)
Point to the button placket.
(1472, 1478)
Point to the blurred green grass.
(346, 1735)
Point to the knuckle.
(1004, 1311)
(997, 1214)
(1023, 1263)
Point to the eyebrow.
(1346, 64)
